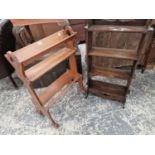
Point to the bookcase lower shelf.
(108, 90)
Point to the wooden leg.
(13, 82)
(143, 69)
(80, 81)
(52, 120)
(86, 94)
(30, 33)
(42, 111)
(124, 103)
(39, 112)
(38, 104)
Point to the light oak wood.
(36, 71)
(32, 52)
(52, 89)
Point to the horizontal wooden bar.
(110, 72)
(39, 69)
(55, 87)
(107, 90)
(114, 53)
(24, 22)
(114, 28)
(31, 52)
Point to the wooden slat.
(55, 87)
(63, 91)
(114, 28)
(39, 69)
(114, 53)
(110, 72)
(107, 90)
(31, 52)
(24, 22)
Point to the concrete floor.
(77, 115)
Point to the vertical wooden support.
(149, 51)
(73, 65)
(13, 81)
(89, 41)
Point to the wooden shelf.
(110, 72)
(110, 28)
(114, 53)
(22, 57)
(30, 53)
(107, 90)
(55, 87)
(36, 71)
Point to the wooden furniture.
(149, 56)
(27, 22)
(119, 40)
(78, 26)
(108, 90)
(22, 57)
(39, 29)
(7, 42)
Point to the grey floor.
(77, 115)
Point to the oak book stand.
(109, 90)
(27, 55)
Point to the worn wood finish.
(121, 40)
(107, 90)
(28, 54)
(78, 26)
(149, 55)
(127, 22)
(114, 53)
(112, 91)
(114, 28)
(110, 72)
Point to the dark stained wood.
(113, 53)
(78, 26)
(13, 81)
(149, 55)
(114, 28)
(107, 90)
(110, 72)
(118, 40)
(127, 22)
(117, 51)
